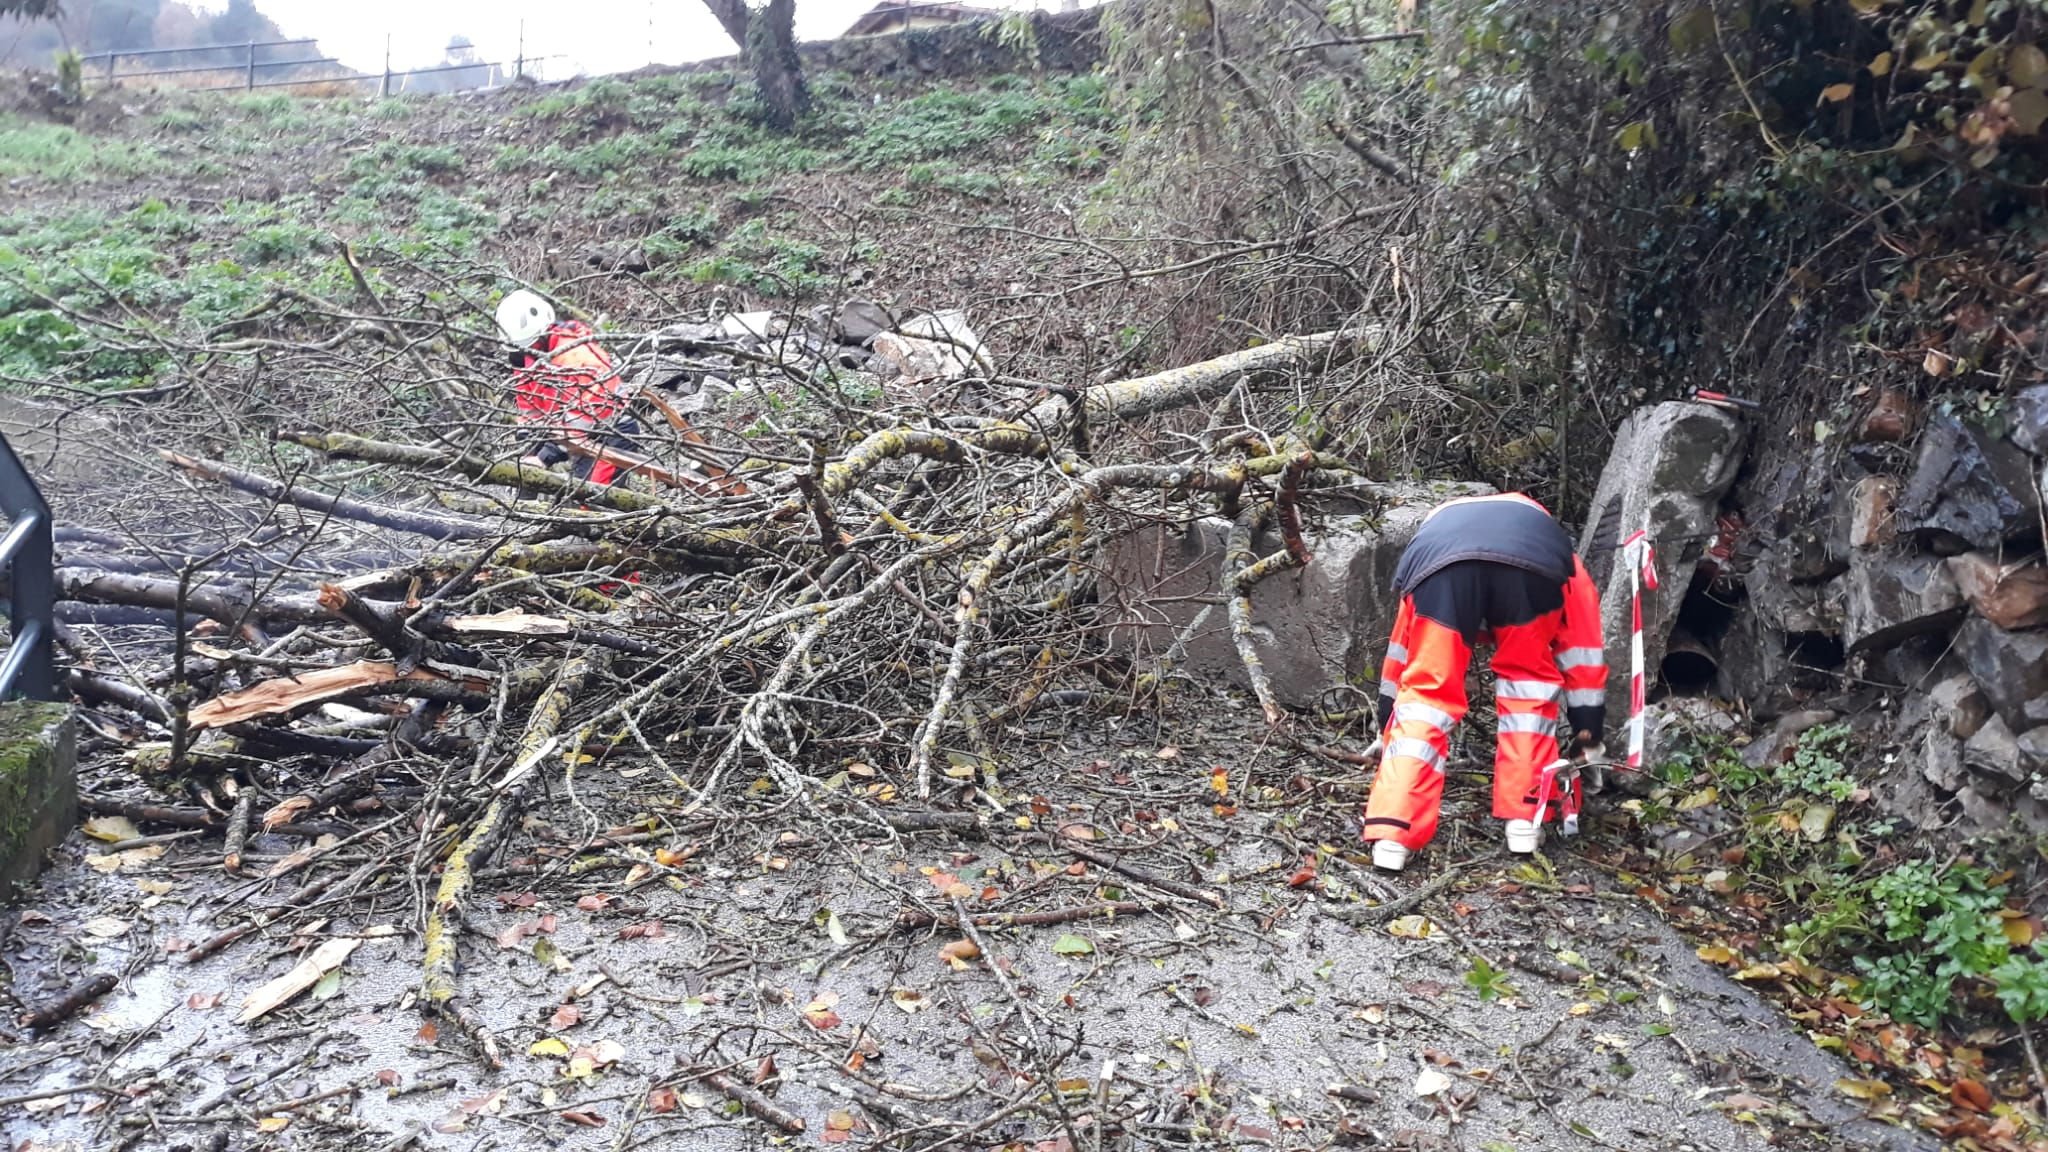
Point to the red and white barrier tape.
(1642, 574)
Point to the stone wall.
(38, 787)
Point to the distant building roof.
(896, 15)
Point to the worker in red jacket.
(565, 383)
(1484, 567)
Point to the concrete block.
(38, 787)
(1315, 628)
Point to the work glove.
(1592, 756)
(1377, 747)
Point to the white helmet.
(524, 317)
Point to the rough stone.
(2008, 595)
(1911, 795)
(860, 321)
(1315, 628)
(1889, 597)
(1871, 523)
(1941, 760)
(753, 325)
(38, 787)
(1770, 749)
(1891, 419)
(1790, 605)
(2026, 416)
(2010, 667)
(1959, 705)
(1994, 751)
(2033, 748)
(1670, 466)
(1968, 490)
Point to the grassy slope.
(178, 213)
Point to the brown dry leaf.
(959, 952)
(585, 1119)
(111, 829)
(203, 1001)
(645, 930)
(273, 1123)
(662, 1100)
(428, 1033)
(1965, 1093)
(389, 1077)
(819, 1014)
(1836, 93)
(566, 1016)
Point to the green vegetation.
(62, 155)
(1929, 943)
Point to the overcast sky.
(594, 35)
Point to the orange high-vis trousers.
(1425, 668)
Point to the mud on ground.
(627, 943)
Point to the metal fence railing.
(248, 60)
(29, 668)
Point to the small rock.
(1959, 705)
(1968, 489)
(860, 321)
(1993, 750)
(1789, 605)
(1889, 597)
(1941, 760)
(2008, 595)
(757, 325)
(2033, 746)
(2026, 417)
(1769, 749)
(2010, 667)
(1871, 522)
(1891, 420)
(1672, 842)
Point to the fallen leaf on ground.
(1430, 1082)
(1715, 954)
(551, 1046)
(1863, 1089)
(1971, 1095)
(566, 1016)
(586, 1119)
(645, 930)
(959, 952)
(105, 928)
(388, 1077)
(662, 1100)
(1071, 945)
(1412, 927)
(273, 1123)
(909, 1000)
(203, 1001)
(111, 829)
(819, 1014)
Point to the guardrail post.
(110, 68)
(519, 63)
(252, 66)
(33, 598)
(384, 88)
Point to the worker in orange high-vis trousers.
(1480, 568)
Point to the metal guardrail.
(29, 668)
(246, 63)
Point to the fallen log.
(1177, 888)
(420, 523)
(71, 1003)
(1203, 382)
(285, 694)
(440, 990)
(756, 1103)
(382, 623)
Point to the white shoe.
(1524, 837)
(1391, 855)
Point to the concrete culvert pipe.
(1689, 666)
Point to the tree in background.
(767, 40)
(29, 9)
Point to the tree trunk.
(767, 40)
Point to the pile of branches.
(758, 603)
